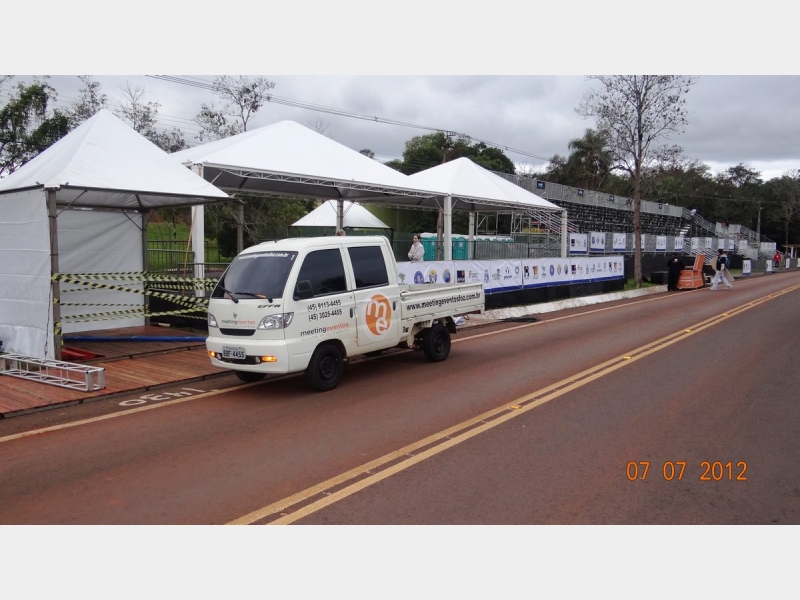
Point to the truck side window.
(369, 266)
(325, 270)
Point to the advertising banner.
(695, 243)
(742, 245)
(504, 275)
(731, 245)
(661, 242)
(709, 243)
(746, 266)
(508, 275)
(578, 243)
(557, 270)
(597, 241)
(619, 242)
(426, 272)
(678, 243)
(472, 271)
(532, 271)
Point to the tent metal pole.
(472, 222)
(198, 235)
(55, 286)
(448, 227)
(339, 214)
(564, 234)
(240, 228)
(145, 263)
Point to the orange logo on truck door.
(378, 315)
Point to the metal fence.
(175, 256)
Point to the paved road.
(534, 423)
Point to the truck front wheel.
(436, 342)
(325, 368)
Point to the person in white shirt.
(417, 252)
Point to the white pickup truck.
(309, 304)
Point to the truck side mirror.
(303, 290)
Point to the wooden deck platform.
(129, 367)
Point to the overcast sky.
(542, 57)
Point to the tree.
(321, 126)
(143, 117)
(241, 97)
(90, 100)
(590, 160)
(368, 153)
(28, 124)
(489, 158)
(426, 151)
(634, 112)
(785, 192)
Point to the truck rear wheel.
(436, 342)
(325, 368)
(249, 377)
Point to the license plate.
(233, 352)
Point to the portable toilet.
(428, 241)
(460, 247)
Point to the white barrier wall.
(26, 306)
(515, 274)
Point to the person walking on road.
(722, 270)
(675, 266)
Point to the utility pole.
(758, 226)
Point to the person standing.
(417, 252)
(722, 270)
(674, 267)
(776, 260)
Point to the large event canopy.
(104, 163)
(287, 159)
(79, 207)
(468, 186)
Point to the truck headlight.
(281, 321)
(212, 321)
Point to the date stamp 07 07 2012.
(674, 470)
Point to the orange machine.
(692, 277)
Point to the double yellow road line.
(313, 499)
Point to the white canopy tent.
(468, 186)
(80, 206)
(355, 216)
(287, 159)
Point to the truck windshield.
(256, 275)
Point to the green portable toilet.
(460, 247)
(428, 241)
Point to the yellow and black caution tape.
(175, 298)
(152, 282)
(142, 276)
(57, 301)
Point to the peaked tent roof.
(286, 158)
(354, 216)
(104, 163)
(474, 188)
